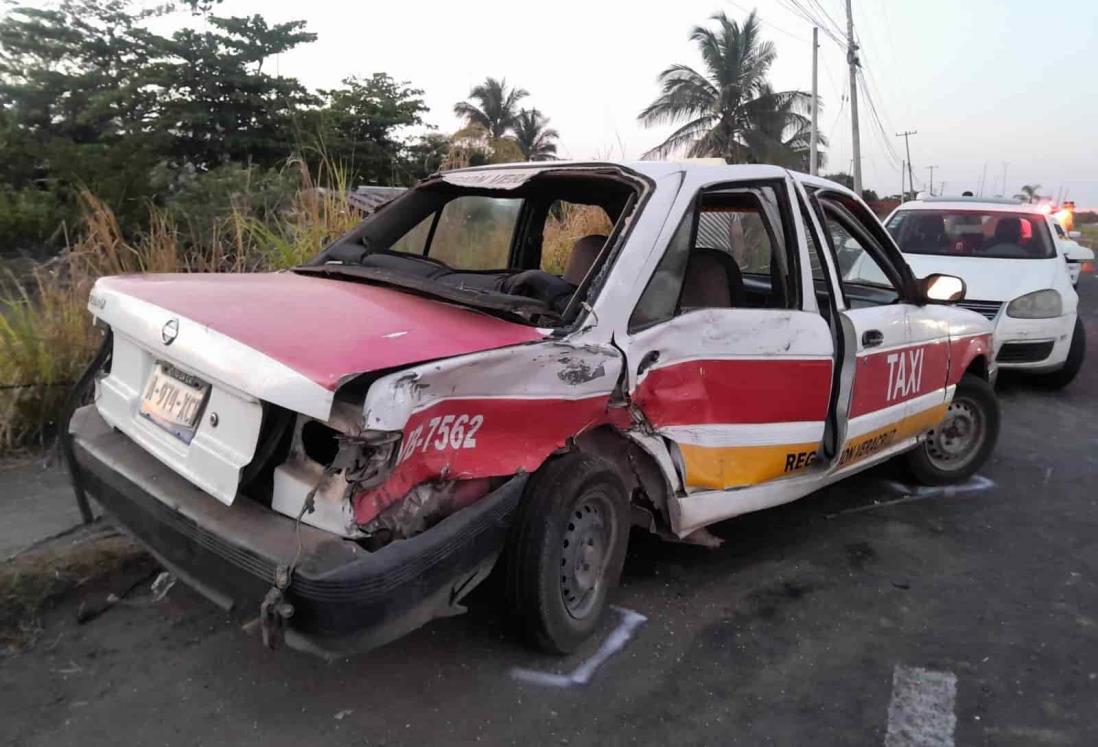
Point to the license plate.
(173, 400)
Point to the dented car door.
(730, 364)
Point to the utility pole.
(1005, 164)
(852, 61)
(813, 142)
(907, 145)
(983, 182)
(931, 168)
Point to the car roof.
(987, 204)
(708, 169)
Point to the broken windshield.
(525, 249)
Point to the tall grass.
(46, 332)
(564, 228)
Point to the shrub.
(29, 220)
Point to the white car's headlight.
(1042, 304)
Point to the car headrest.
(713, 280)
(583, 255)
(1008, 231)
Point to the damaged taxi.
(343, 451)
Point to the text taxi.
(347, 449)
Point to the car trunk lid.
(291, 339)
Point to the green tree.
(496, 109)
(72, 112)
(214, 98)
(360, 126)
(731, 111)
(91, 98)
(422, 157)
(535, 137)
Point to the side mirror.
(942, 288)
(1074, 234)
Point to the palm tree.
(496, 109)
(535, 137)
(779, 133)
(1029, 193)
(731, 110)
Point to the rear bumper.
(344, 598)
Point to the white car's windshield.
(972, 233)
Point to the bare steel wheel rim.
(955, 442)
(585, 550)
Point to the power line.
(774, 26)
(842, 103)
(827, 15)
(830, 30)
(889, 151)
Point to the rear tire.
(962, 442)
(566, 550)
(1077, 352)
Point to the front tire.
(566, 550)
(1077, 351)
(962, 442)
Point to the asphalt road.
(792, 633)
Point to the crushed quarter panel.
(488, 414)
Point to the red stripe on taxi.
(473, 438)
(965, 350)
(888, 377)
(736, 391)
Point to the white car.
(1079, 259)
(1006, 253)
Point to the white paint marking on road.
(913, 493)
(582, 674)
(921, 713)
(973, 484)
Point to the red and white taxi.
(347, 449)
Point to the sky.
(1009, 85)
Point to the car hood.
(292, 339)
(991, 279)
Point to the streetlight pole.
(813, 148)
(852, 62)
(931, 168)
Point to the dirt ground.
(792, 633)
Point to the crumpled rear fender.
(491, 414)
